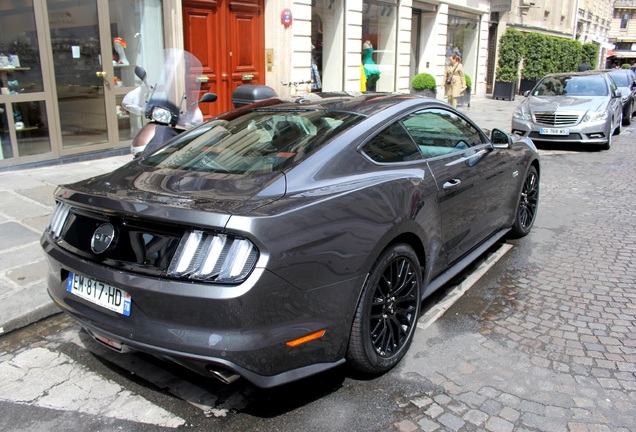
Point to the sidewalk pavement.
(28, 204)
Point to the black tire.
(527, 206)
(617, 131)
(387, 312)
(627, 119)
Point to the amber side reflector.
(309, 337)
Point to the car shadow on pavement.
(585, 148)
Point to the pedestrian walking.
(584, 66)
(455, 83)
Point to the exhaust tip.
(223, 375)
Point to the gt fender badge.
(103, 238)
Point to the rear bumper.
(188, 324)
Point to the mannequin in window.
(371, 70)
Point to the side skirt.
(460, 265)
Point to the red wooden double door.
(228, 37)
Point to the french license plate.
(99, 293)
(554, 131)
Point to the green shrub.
(424, 81)
(535, 60)
(510, 54)
(590, 53)
(626, 66)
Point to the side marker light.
(309, 337)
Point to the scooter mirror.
(140, 72)
(208, 97)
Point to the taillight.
(56, 224)
(213, 257)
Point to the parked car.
(574, 107)
(624, 79)
(284, 238)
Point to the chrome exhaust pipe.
(223, 375)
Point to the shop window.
(379, 39)
(136, 28)
(20, 70)
(327, 42)
(31, 128)
(5, 142)
(462, 40)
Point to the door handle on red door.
(452, 183)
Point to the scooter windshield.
(174, 87)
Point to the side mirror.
(527, 93)
(500, 139)
(140, 72)
(208, 97)
(618, 94)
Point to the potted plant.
(507, 73)
(464, 99)
(424, 84)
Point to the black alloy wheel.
(387, 311)
(528, 205)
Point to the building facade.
(328, 36)
(622, 34)
(65, 66)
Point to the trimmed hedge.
(510, 53)
(541, 54)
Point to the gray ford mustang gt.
(287, 237)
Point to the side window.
(393, 144)
(437, 132)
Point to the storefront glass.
(24, 129)
(20, 70)
(92, 79)
(463, 29)
(136, 28)
(379, 41)
(79, 73)
(6, 152)
(32, 130)
(326, 45)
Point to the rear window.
(258, 141)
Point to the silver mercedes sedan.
(574, 107)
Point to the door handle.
(101, 74)
(203, 78)
(452, 183)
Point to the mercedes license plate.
(554, 131)
(99, 293)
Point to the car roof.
(611, 71)
(585, 73)
(357, 103)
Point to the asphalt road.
(545, 340)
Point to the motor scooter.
(167, 103)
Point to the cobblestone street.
(542, 339)
(553, 346)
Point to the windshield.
(258, 141)
(587, 85)
(175, 87)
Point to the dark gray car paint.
(319, 226)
